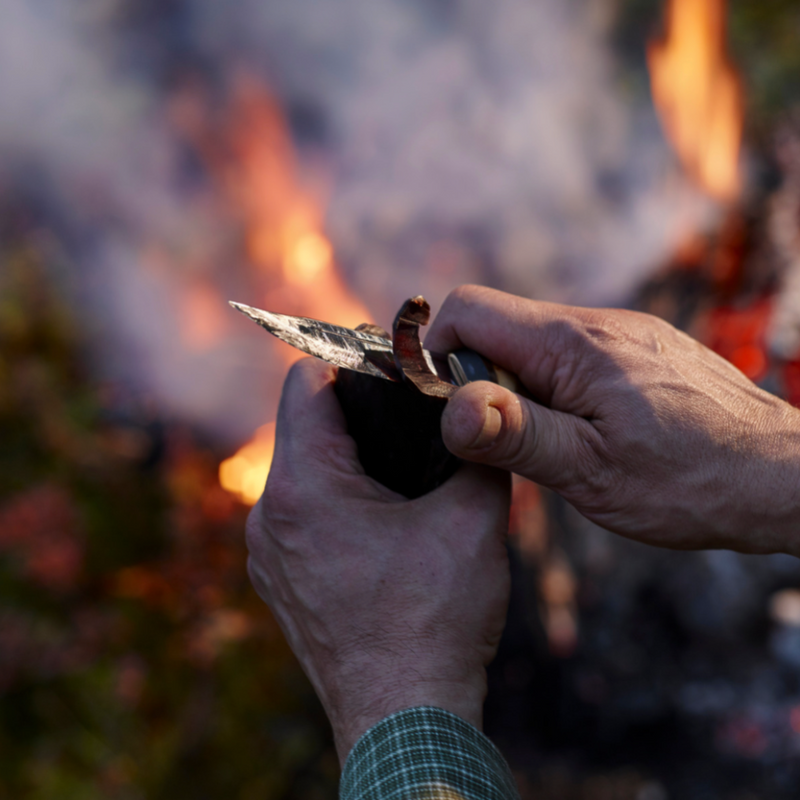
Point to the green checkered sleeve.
(425, 754)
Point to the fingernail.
(492, 424)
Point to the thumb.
(490, 425)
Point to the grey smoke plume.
(468, 141)
(476, 141)
(93, 136)
(90, 130)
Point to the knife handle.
(397, 429)
(467, 366)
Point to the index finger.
(531, 338)
(311, 426)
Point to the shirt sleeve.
(425, 754)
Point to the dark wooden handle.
(398, 432)
(467, 366)
(398, 429)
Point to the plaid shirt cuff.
(425, 754)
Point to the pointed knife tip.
(246, 310)
(263, 318)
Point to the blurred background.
(331, 158)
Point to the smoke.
(466, 141)
(71, 116)
(475, 141)
(89, 136)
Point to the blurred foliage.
(763, 40)
(135, 660)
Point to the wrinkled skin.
(387, 603)
(641, 428)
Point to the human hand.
(641, 428)
(388, 603)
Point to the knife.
(368, 353)
(392, 391)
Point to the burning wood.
(739, 293)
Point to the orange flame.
(282, 209)
(698, 95)
(245, 473)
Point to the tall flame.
(283, 211)
(283, 214)
(698, 95)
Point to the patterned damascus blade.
(339, 346)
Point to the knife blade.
(357, 350)
(342, 347)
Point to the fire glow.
(261, 176)
(283, 210)
(245, 473)
(698, 95)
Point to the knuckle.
(605, 327)
(282, 499)
(520, 448)
(305, 377)
(260, 580)
(611, 329)
(300, 370)
(464, 293)
(276, 524)
(464, 296)
(289, 506)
